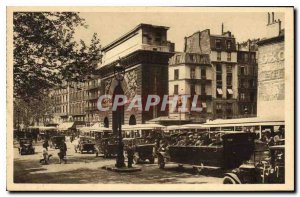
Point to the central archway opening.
(132, 120)
(117, 115)
(106, 122)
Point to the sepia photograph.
(150, 99)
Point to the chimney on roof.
(222, 28)
(279, 21)
(273, 17)
(268, 18)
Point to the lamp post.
(119, 72)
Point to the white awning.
(219, 90)
(204, 105)
(65, 125)
(229, 91)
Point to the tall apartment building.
(191, 74)
(222, 52)
(77, 101)
(247, 77)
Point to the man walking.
(62, 152)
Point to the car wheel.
(161, 165)
(197, 170)
(151, 160)
(161, 162)
(228, 180)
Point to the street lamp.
(119, 72)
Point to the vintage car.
(85, 144)
(56, 141)
(26, 146)
(220, 150)
(107, 146)
(266, 166)
(144, 149)
(106, 143)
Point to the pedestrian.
(46, 156)
(46, 144)
(62, 152)
(130, 154)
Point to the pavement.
(87, 168)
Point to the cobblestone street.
(86, 168)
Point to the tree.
(45, 53)
(36, 110)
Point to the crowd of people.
(196, 139)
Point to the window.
(177, 59)
(246, 57)
(219, 56)
(219, 108)
(203, 73)
(229, 79)
(228, 56)
(158, 37)
(229, 108)
(219, 80)
(203, 92)
(229, 69)
(175, 89)
(242, 96)
(176, 74)
(253, 58)
(228, 44)
(246, 84)
(242, 70)
(252, 96)
(218, 43)
(219, 68)
(193, 73)
(193, 91)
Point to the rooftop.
(128, 34)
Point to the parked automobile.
(220, 150)
(108, 147)
(26, 146)
(106, 143)
(265, 166)
(85, 144)
(56, 141)
(143, 148)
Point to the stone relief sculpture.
(131, 80)
(107, 85)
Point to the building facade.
(271, 71)
(77, 101)
(191, 74)
(222, 52)
(144, 52)
(247, 78)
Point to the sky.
(111, 25)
